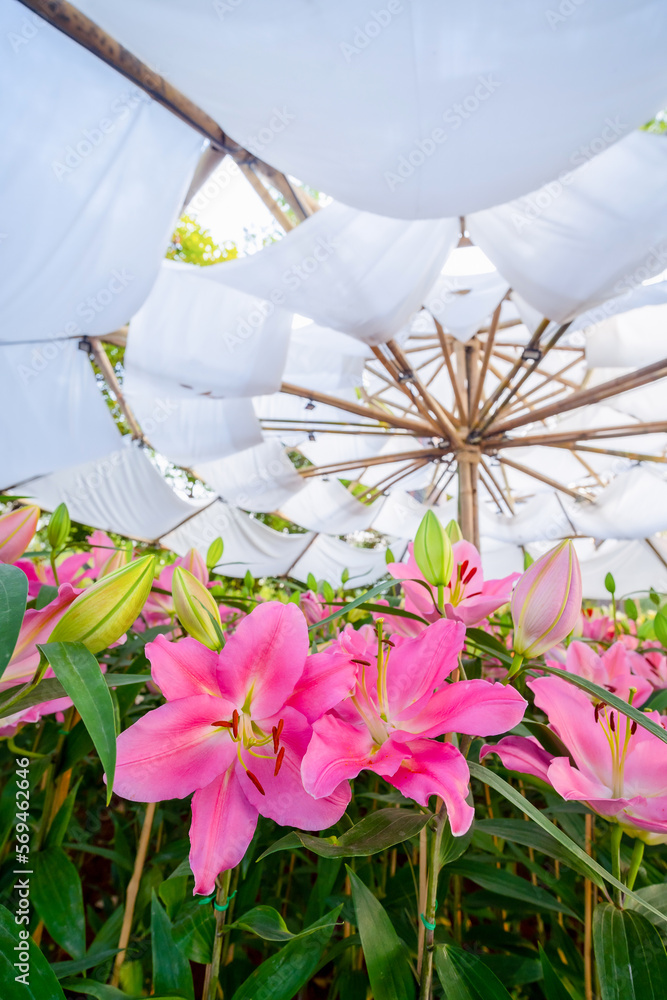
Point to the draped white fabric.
(542, 518)
(633, 564)
(634, 505)
(594, 234)
(187, 431)
(385, 108)
(201, 338)
(632, 338)
(324, 359)
(60, 416)
(249, 544)
(327, 557)
(258, 479)
(326, 505)
(359, 273)
(92, 177)
(121, 492)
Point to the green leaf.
(41, 983)
(386, 959)
(79, 673)
(602, 694)
(631, 609)
(384, 609)
(89, 961)
(452, 847)
(656, 895)
(51, 689)
(379, 588)
(518, 831)
(465, 976)
(46, 594)
(552, 987)
(171, 969)
(610, 583)
(629, 955)
(58, 828)
(376, 832)
(510, 886)
(479, 641)
(311, 583)
(103, 992)
(13, 597)
(58, 898)
(282, 976)
(596, 873)
(660, 627)
(268, 924)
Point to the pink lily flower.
(617, 768)
(399, 703)
(232, 733)
(73, 570)
(159, 608)
(611, 670)
(468, 597)
(17, 529)
(314, 607)
(651, 664)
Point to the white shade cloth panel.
(61, 416)
(258, 479)
(634, 566)
(203, 339)
(187, 431)
(249, 544)
(91, 183)
(324, 359)
(586, 238)
(630, 339)
(325, 505)
(634, 505)
(461, 303)
(359, 273)
(327, 557)
(653, 292)
(121, 492)
(385, 109)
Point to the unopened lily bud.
(196, 609)
(214, 554)
(454, 532)
(115, 561)
(194, 563)
(105, 611)
(17, 529)
(433, 551)
(546, 602)
(59, 527)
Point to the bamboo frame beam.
(403, 456)
(486, 357)
(414, 425)
(105, 366)
(506, 498)
(394, 371)
(498, 391)
(598, 393)
(634, 456)
(565, 437)
(444, 418)
(543, 479)
(446, 353)
(265, 195)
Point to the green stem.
(613, 611)
(52, 560)
(213, 968)
(515, 666)
(431, 905)
(616, 837)
(635, 862)
(441, 598)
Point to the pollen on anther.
(363, 663)
(235, 723)
(256, 782)
(612, 724)
(279, 761)
(633, 727)
(221, 722)
(274, 733)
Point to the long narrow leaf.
(13, 595)
(379, 588)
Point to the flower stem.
(428, 917)
(635, 862)
(515, 667)
(213, 968)
(441, 598)
(616, 837)
(133, 890)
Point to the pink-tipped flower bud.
(433, 551)
(546, 602)
(17, 529)
(194, 563)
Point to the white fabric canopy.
(249, 544)
(359, 273)
(324, 359)
(121, 492)
(92, 177)
(633, 564)
(411, 110)
(637, 337)
(258, 479)
(327, 557)
(326, 505)
(60, 416)
(583, 239)
(187, 431)
(201, 338)
(634, 505)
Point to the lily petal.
(521, 753)
(478, 708)
(184, 668)
(436, 769)
(223, 824)
(327, 678)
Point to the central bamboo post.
(468, 473)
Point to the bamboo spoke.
(414, 425)
(547, 480)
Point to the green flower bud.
(105, 611)
(214, 554)
(454, 532)
(433, 551)
(196, 609)
(59, 527)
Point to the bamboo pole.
(105, 366)
(450, 369)
(265, 195)
(418, 427)
(598, 393)
(498, 391)
(468, 506)
(486, 357)
(542, 478)
(634, 456)
(400, 380)
(442, 415)
(495, 441)
(132, 891)
(404, 456)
